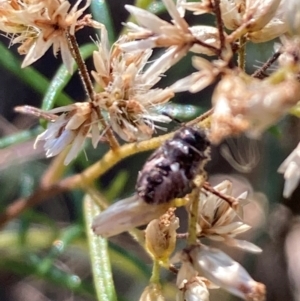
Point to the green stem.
(155, 277)
(101, 267)
(19, 137)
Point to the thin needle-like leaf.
(29, 75)
(101, 267)
(101, 13)
(60, 80)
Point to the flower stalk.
(193, 216)
(242, 52)
(88, 86)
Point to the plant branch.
(242, 53)
(259, 73)
(87, 177)
(220, 25)
(88, 86)
(233, 203)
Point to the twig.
(20, 205)
(210, 47)
(229, 199)
(220, 25)
(173, 269)
(200, 118)
(88, 86)
(193, 216)
(242, 53)
(259, 73)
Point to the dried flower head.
(38, 25)
(155, 32)
(197, 81)
(292, 16)
(260, 21)
(198, 8)
(291, 170)
(152, 32)
(218, 221)
(160, 236)
(242, 103)
(129, 97)
(71, 128)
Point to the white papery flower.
(260, 21)
(129, 97)
(197, 81)
(276, 27)
(223, 271)
(152, 32)
(77, 122)
(292, 16)
(38, 25)
(155, 32)
(243, 103)
(218, 221)
(291, 170)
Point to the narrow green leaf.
(28, 75)
(60, 80)
(114, 190)
(156, 7)
(131, 264)
(101, 13)
(101, 266)
(275, 130)
(19, 137)
(183, 112)
(142, 3)
(37, 239)
(56, 276)
(59, 246)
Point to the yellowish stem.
(113, 157)
(88, 176)
(155, 277)
(193, 218)
(242, 53)
(56, 169)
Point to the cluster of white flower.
(126, 101)
(241, 103)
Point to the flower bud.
(161, 236)
(292, 16)
(193, 290)
(152, 293)
(222, 270)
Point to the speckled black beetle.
(170, 170)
